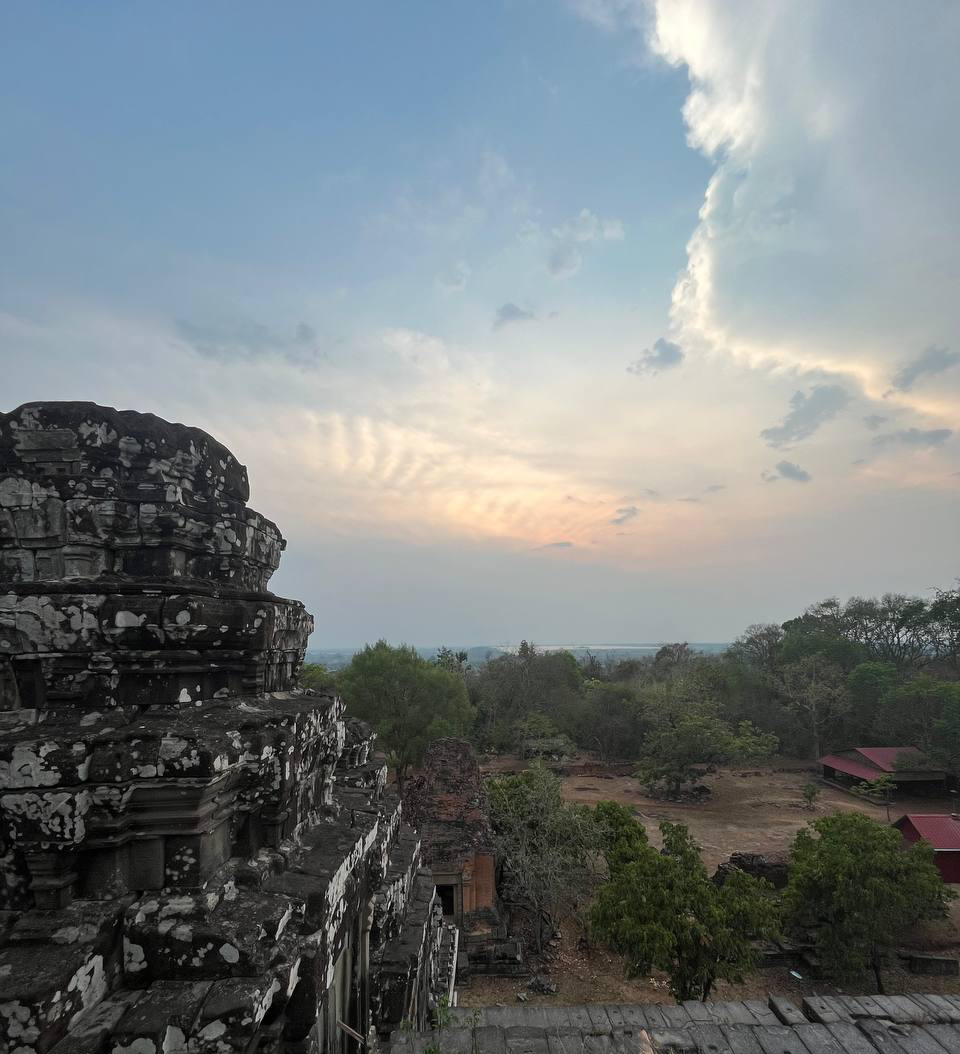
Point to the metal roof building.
(905, 765)
(942, 831)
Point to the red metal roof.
(885, 757)
(851, 768)
(941, 830)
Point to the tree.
(944, 628)
(509, 687)
(611, 720)
(759, 647)
(619, 833)
(454, 661)
(881, 787)
(814, 688)
(662, 911)
(810, 794)
(866, 686)
(548, 847)
(316, 676)
(670, 656)
(946, 735)
(852, 880)
(409, 701)
(675, 753)
(909, 712)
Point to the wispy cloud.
(914, 437)
(874, 421)
(495, 174)
(624, 514)
(664, 355)
(786, 470)
(245, 339)
(454, 278)
(928, 363)
(509, 312)
(555, 545)
(565, 256)
(807, 413)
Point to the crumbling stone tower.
(194, 854)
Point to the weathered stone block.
(229, 837)
(161, 1019)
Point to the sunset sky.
(585, 321)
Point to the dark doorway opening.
(445, 893)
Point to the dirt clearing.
(753, 809)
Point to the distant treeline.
(866, 672)
(477, 655)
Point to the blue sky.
(599, 319)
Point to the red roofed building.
(909, 768)
(942, 831)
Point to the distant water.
(334, 658)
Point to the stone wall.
(448, 804)
(195, 855)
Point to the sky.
(577, 321)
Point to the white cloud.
(586, 226)
(827, 236)
(565, 256)
(834, 168)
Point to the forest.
(867, 671)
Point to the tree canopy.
(661, 911)
(548, 847)
(856, 887)
(409, 701)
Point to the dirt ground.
(750, 809)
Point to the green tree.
(611, 720)
(909, 712)
(662, 911)
(881, 787)
(866, 685)
(946, 735)
(549, 848)
(454, 661)
(810, 794)
(409, 701)
(759, 647)
(675, 753)
(316, 676)
(620, 835)
(814, 688)
(944, 628)
(509, 687)
(854, 883)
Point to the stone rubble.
(195, 855)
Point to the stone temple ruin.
(194, 854)
(447, 802)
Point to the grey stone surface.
(195, 855)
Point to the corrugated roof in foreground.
(916, 1024)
